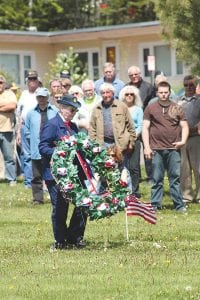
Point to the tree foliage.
(51, 15)
(181, 27)
(123, 11)
(67, 60)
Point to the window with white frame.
(165, 59)
(90, 62)
(16, 65)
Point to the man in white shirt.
(26, 103)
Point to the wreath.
(89, 153)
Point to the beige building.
(124, 45)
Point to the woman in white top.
(130, 96)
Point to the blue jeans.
(168, 160)
(25, 146)
(7, 146)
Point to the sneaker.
(12, 183)
(182, 210)
(37, 202)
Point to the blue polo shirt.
(117, 84)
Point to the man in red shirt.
(165, 131)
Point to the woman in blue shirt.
(130, 96)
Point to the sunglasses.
(66, 85)
(32, 78)
(1, 82)
(129, 94)
(76, 93)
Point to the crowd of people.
(130, 116)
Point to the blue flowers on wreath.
(89, 153)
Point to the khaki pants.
(190, 160)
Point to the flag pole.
(126, 221)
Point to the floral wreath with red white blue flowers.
(65, 172)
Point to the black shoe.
(136, 194)
(78, 244)
(58, 246)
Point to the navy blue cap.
(69, 100)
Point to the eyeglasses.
(32, 78)
(90, 90)
(129, 94)
(76, 93)
(1, 82)
(136, 74)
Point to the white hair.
(87, 82)
(75, 89)
(133, 69)
(107, 86)
(131, 89)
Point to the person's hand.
(18, 138)
(178, 145)
(148, 153)
(129, 148)
(198, 128)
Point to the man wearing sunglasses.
(190, 153)
(26, 103)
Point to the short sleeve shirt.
(7, 118)
(165, 126)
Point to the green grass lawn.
(158, 262)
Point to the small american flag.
(136, 207)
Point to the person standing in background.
(34, 123)
(55, 88)
(130, 96)
(8, 104)
(109, 76)
(165, 131)
(26, 103)
(146, 94)
(88, 102)
(190, 152)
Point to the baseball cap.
(41, 91)
(65, 74)
(32, 74)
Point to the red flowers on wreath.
(123, 183)
(61, 153)
(110, 163)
